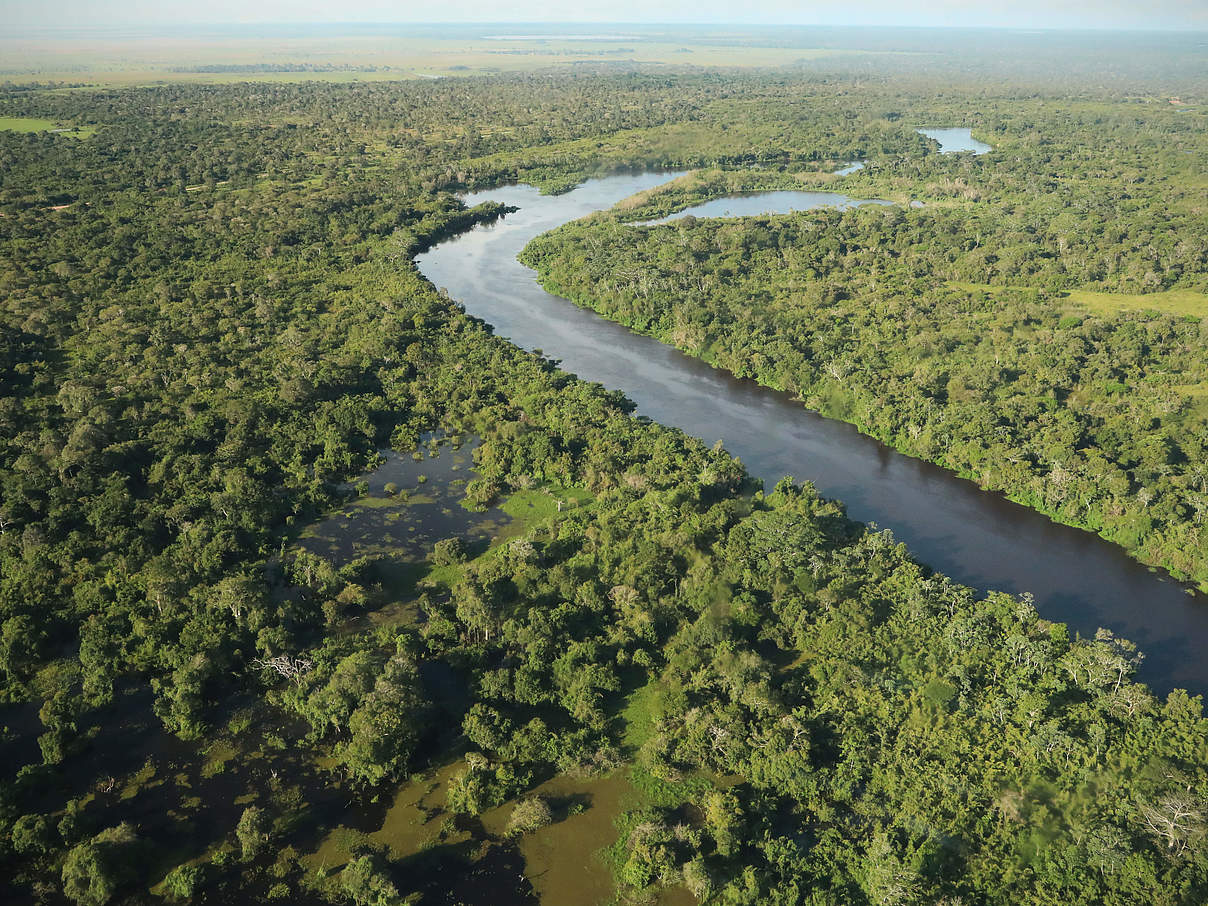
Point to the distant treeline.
(281, 67)
(226, 326)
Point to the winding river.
(975, 537)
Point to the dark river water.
(975, 537)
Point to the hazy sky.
(1165, 14)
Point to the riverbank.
(825, 405)
(978, 538)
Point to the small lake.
(766, 203)
(954, 139)
(411, 501)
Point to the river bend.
(977, 538)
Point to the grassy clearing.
(33, 124)
(529, 508)
(638, 716)
(443, 576)
(1182, 302)
(26, 124)
(1178, 302)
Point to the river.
(975, 537)
(953, 139)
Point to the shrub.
(449, 551)
(252, 832)
(529, 815)
(182, 882)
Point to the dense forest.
(1036, 325)
(211, 327)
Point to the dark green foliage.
(93, 871)
(448, 551)
(906, 737)
(386, 725)
(946, 331)
(204, 350)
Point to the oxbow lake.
(754, 204)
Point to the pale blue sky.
(1164, 14)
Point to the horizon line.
(366, 23)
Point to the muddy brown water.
(411, 500)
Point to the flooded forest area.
(619, 483)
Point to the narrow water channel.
(973, 536)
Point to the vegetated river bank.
(976, 537)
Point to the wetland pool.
(410, 501)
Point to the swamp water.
(407, 504)
(475, 860)
(410, 502)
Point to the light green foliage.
(365, 882)
(183, 881)
(87, 879)
(93, 870)
(32, 835)
(482, 786)
(529, 815)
